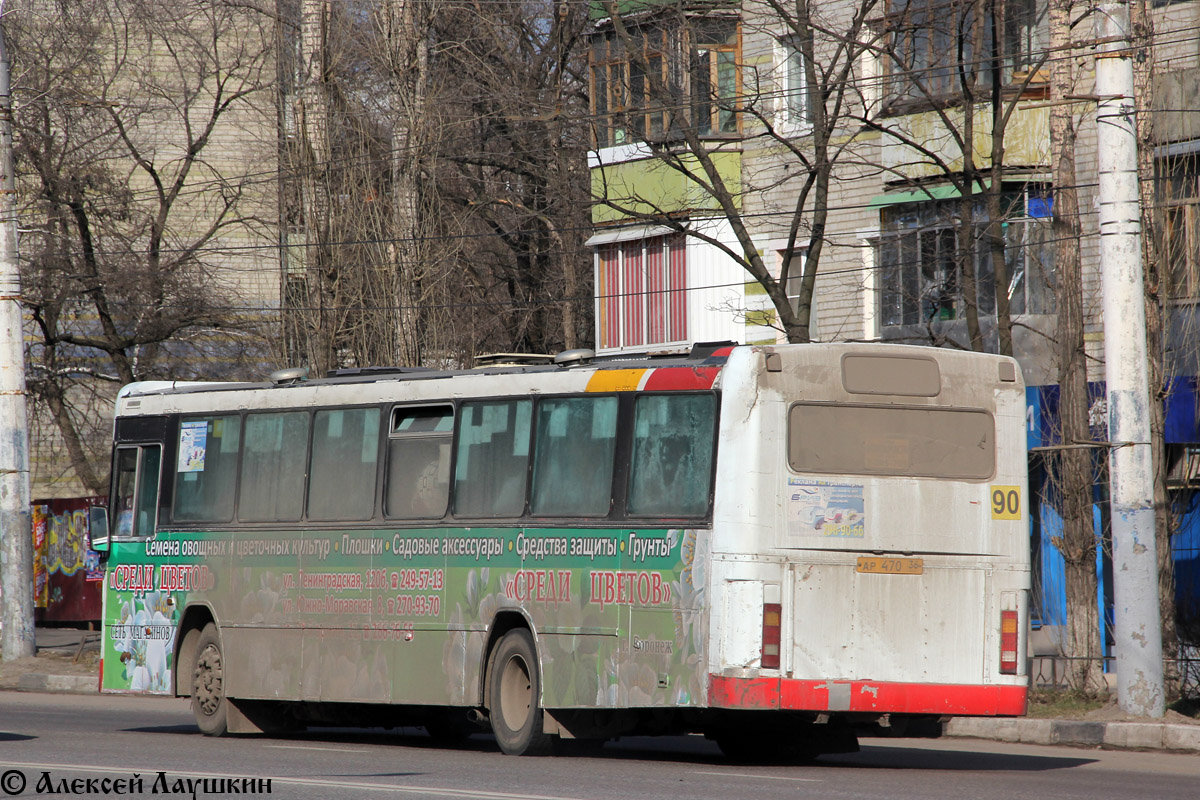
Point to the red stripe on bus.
(666, 378)
(882, 697)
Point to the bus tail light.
(772, 616)
(1008, 642)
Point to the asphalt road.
(59, 738)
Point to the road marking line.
(472, 794)
(307, 747)
(761, 777)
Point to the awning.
(627, 234)
(941, 191)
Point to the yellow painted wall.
(1026, 142)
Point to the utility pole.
(1137, 628)
(16, 538)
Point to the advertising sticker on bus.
(193, 438)
(829, 510)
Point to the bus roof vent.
(578, 355)
(511, 359)
(703, 350)
(369, 372)
(286, 377)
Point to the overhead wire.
(388, 156)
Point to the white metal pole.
(16, 538)
(1137, 627)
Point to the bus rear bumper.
(790, 694)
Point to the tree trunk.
(1155, 290)
(319, 277)
(76, 452)
(995, 230)
(409, 56)
(1072, 469)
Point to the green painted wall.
(650, 186)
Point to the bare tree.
(341, 291)
(124, 112)
(1155, 275)
(436, 178)
(968, 67)
(1072, 467)
(968, 64)
(509, 170)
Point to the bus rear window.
(873, 440)
(206, 469)
(671, 468)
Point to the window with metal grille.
(921, 259)
(641, 289)
(669, 73)
(937, 45)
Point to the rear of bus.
(870, 535)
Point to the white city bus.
(766, 544)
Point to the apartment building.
(147, 167)
(935, 223)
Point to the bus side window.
(493, 458)
(274, 460)
(206, 472)
(418, 462)
(341, 483)
(136, 500)
(573, 457)
(126, 494)
(672, 465)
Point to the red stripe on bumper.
(871, 696)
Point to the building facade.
(933, 119)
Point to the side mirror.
(98, 528)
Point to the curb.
(67, 684)
(1124, 735)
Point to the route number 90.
(1006, 502)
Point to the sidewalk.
(56, 670)
(1142, 735)
(56, 667)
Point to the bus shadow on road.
(695, 750)
(676, 749)
(176, 729)
(914, 758)
(397, 737)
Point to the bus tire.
(515, 681)
(210, 707)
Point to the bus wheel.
(209, 705)
(515, 686)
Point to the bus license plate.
(891, 566)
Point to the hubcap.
(207, 689)
(516, 693)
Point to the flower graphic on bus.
(463, 646)
(263, 603)
(146, 641)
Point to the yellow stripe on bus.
(615, 380)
